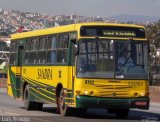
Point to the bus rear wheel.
(30, 105)
(63, 108)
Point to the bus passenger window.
(62, 48)
(28, 45)
(52, 44)
(42, 43)
(26, 58)
(62, 56)
(41, 57)
(13, 50)
(51, 54)
(34, 44)
(51, 57)
(32, 58)
(63, 41)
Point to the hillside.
(135, 18)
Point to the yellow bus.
(81, 66)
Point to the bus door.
(19, 71)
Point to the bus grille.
(113, 90)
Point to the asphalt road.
(12, 110)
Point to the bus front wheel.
(63, 108)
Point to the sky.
(102, 8)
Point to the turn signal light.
(135, 94)
(78, 92)
(92, 93)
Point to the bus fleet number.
(90, 82)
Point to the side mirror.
(75, 46)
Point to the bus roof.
(66, 28)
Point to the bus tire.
(30, 105)
(38, 106)
(63, 108)
(122, 113)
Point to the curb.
(3, 90)
(155, 103)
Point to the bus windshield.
(95, 58)
(131, 60)
(102, 58)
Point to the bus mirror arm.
(75, 46)
(74, 41)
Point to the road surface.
(12, 110)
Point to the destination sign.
(113, 31)
(116, 33)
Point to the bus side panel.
(9, 88)
(66, 80)
(38, 79)
(11, 81)
(43, 80)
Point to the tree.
(153, 35)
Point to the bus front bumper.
(98, 102)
